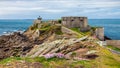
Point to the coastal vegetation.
(82, 33)
(46, 27)
(60, 21)
(105, 60)
(47, 63)
(113, 48)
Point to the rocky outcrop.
(15, 45)
(49, 38)
(60, 46)
(18, 44)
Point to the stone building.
(38, 20)
(115, 43)
(99, 32)
(71, 22)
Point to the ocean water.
(7, 26)
(111, 26)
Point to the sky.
(55, 9)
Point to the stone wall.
(71, 22)
(99, 32)
(37, 21)
(115, 43)
(53, 22)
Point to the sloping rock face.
(15, 45)
(64, 46)
(20, 44)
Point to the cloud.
(58, 8)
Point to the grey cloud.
(59, 7)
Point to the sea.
(111, 26)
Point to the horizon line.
(49, 19)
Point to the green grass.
(39, 59)
(47, 28)
(105, 60)
(11, 59)
(83, 63)
(52, 62)
(51, 28)
(76, 29)
(113, 48)
(82, 33)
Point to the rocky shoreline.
(15, 44)
(107, 38)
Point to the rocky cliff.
(15, 45)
